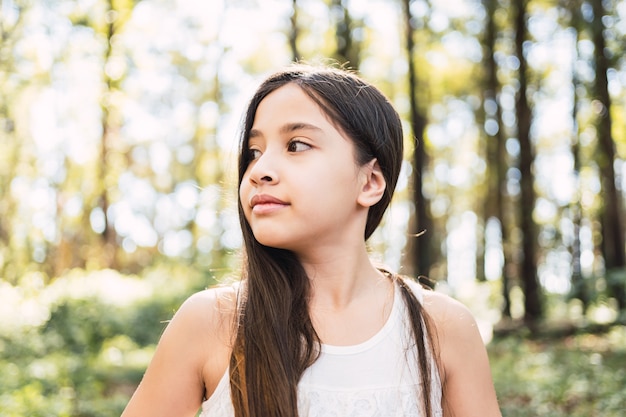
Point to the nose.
(262, 170)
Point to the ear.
(373, 184)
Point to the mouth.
(262, 203)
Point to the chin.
(278, 244)
(270, 241)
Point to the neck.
(340, 277)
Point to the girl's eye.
(297, 146)
(254, 154)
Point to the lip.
(263, 203)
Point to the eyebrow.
(287, 128)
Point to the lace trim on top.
(318, 402)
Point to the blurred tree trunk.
(611, 211)
(9, 147)
(496, 151)
(208, 158)
(294, 32)
(579, 287)
(348, 48)
(109, 132)
(533, 309)
(65, 253)
(418, 245)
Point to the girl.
(314, 328)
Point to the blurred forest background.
(118, 130)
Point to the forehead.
(292, 105)
(287, 101)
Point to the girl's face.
(302, 187)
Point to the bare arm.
(188, 357)
(468, 389)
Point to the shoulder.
(452, 320)
(447, 312)
(207, 313)
(190, 358)
(202, 326)
(210, 303)
(456, 330)
(462, 357)
(201, 333)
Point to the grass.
(574, 376)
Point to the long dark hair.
(275, 340)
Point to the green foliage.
(579, 376)
(83, 352)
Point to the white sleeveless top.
(376, 378)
